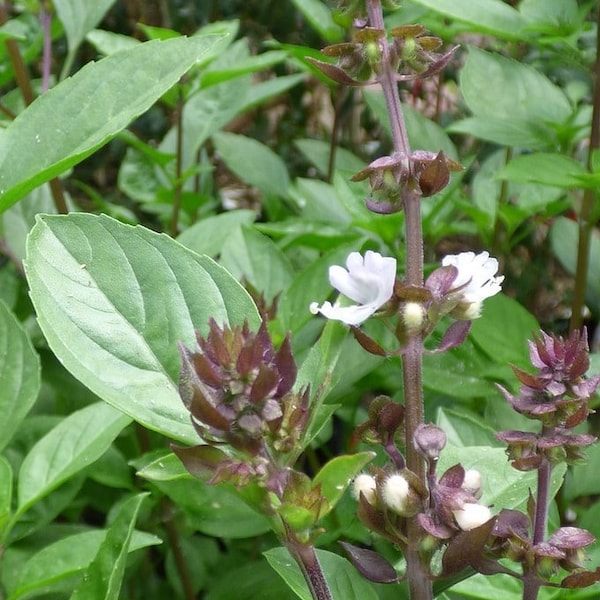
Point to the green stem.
(587, 214)
(419, 585)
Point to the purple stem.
(419, 585)
(46, 20)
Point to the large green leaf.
(79, 16)
(58, 564)
(114, 300)
(104, 576)
(542, 167)
(78, 116)
(72, 445)
(19, 374)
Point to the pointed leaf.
(80, 17)
(59, 563)
(82, 113)
(104, 576)
(114, 300)
(19, 374)
(72, 445)
(371, 565)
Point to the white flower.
(367, 486)
(472, 483)
(477, 273)
(472, 515)
(368, 281)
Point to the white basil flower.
(472, 515)
(477, 273)
(368, 281)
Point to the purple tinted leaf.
(455, 335)
(200, 461)
(581, 579)
(335, 73)
(371, 565)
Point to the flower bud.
(472, 483)
(472, 515)
(429, 441)
(366, 485)
(413, 315)
(399, 497)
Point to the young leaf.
(336, 475)
(114, 300)
(82, 113)
(104, 576)
(72, 445)
(19, 374)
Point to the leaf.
(79, 17)
(213, 75)
(76, 442)
(320, 18)
(318, 151)
(59, 563)
(465, 429)
(486, 16)
(564, 235)
(549, 169)
(206, 236)
(214, 510)
(497, 87)
(19, 374)
(103, 578)
(249, 255)
(82, 113)
(344, 581)
(114, 300)
(253, 162)
(6, 491)
(371, 565)
(337, 474)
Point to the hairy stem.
(588, 213)
(306, 557)
(419, 585)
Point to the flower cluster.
(458, 288)
(558, 396)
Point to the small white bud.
(467, 311)
(366, 485)
(413, 315)
(472, 515)
(396, 494)
(472, 483)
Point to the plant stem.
(587, 214)
(419, 585)
(306, 557)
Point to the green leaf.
(582, 479)
(465, 429)
(497, 87)
(82, 113)
(253, 162)
(114, 300)
(19, 374)
(503, 486)
(76, 442)
(486, 16)
(80, 17)
(564, 235)
(206, 236)
(318, 152)
(549, 169)
(248, 254)
(6, 490)
(103, 578)
(336, 475)
(213, 75)
(320, 18)
(503, 330)
(107, 42)
(165, 467)
(214, 510)
(343, 579)
(57, 565)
